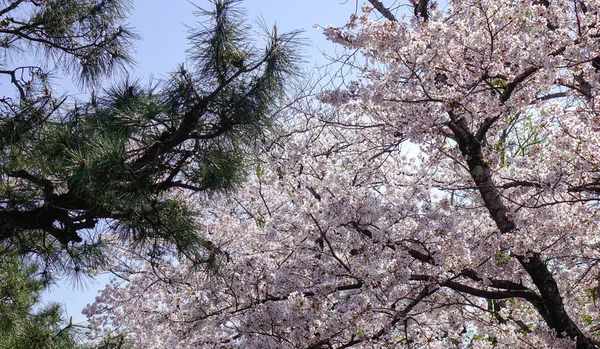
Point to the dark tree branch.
(331, 249)
(421, 9)
(456, 286)
(14, 4)
(427, 291)
(385, 12)
(423, 257)
(510, 87)
(588, 187)
(515, 184)
(480, 171)
(14, 81)
(187, 128)
(44, 218)
(550, 307)
(42, 182)
(504, 284)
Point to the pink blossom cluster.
(448, 198)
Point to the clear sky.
(160, 23)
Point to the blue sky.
(164, 36)
(162, 47)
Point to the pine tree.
(88, 41)
(23, 324)
(122, 162)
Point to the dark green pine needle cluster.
(119, 163)
(87, 38)
(23, 325)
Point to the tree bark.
(551, 306)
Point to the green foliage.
(123, 159)
(482, 338)
(500, 82)
(117, 342)
(221, 169)
(518, 138)
(587, 319)
(220, 48)
(23, 323)
(64, 29)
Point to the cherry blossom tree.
(447, 197)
